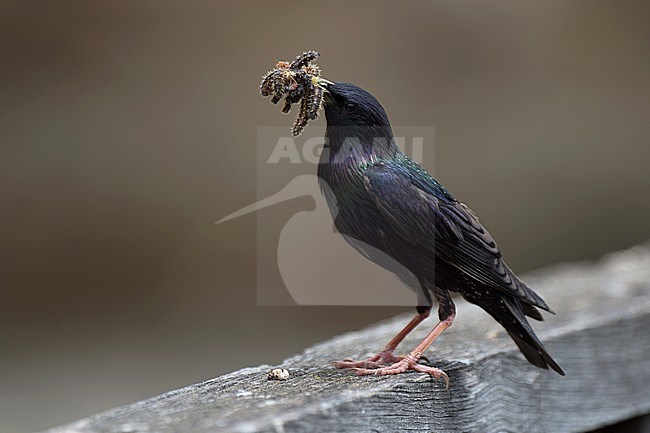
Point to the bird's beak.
(321, 82)
(325, 85)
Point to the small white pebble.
(278, 374)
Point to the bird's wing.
(448, 228)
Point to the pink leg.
(385, 356)
(410, 361)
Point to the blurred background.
(129, 128)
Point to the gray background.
(128, 128)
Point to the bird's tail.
(535, 353)
(524, 336)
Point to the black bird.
(391, 210)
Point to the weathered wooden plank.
(600, 336)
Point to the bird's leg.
(446, 313)
(385, 356)
(410, 361)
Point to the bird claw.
(436, 373)
(405, 364)
(377, 361)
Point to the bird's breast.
(353, 210)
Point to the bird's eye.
(350, 107)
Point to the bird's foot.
(407, 363)
(379, 360)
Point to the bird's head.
(352, 112)
(349, 105)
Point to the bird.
(391, 210)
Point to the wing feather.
(446, 227)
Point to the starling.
(386, 205)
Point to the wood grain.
(600, 336)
